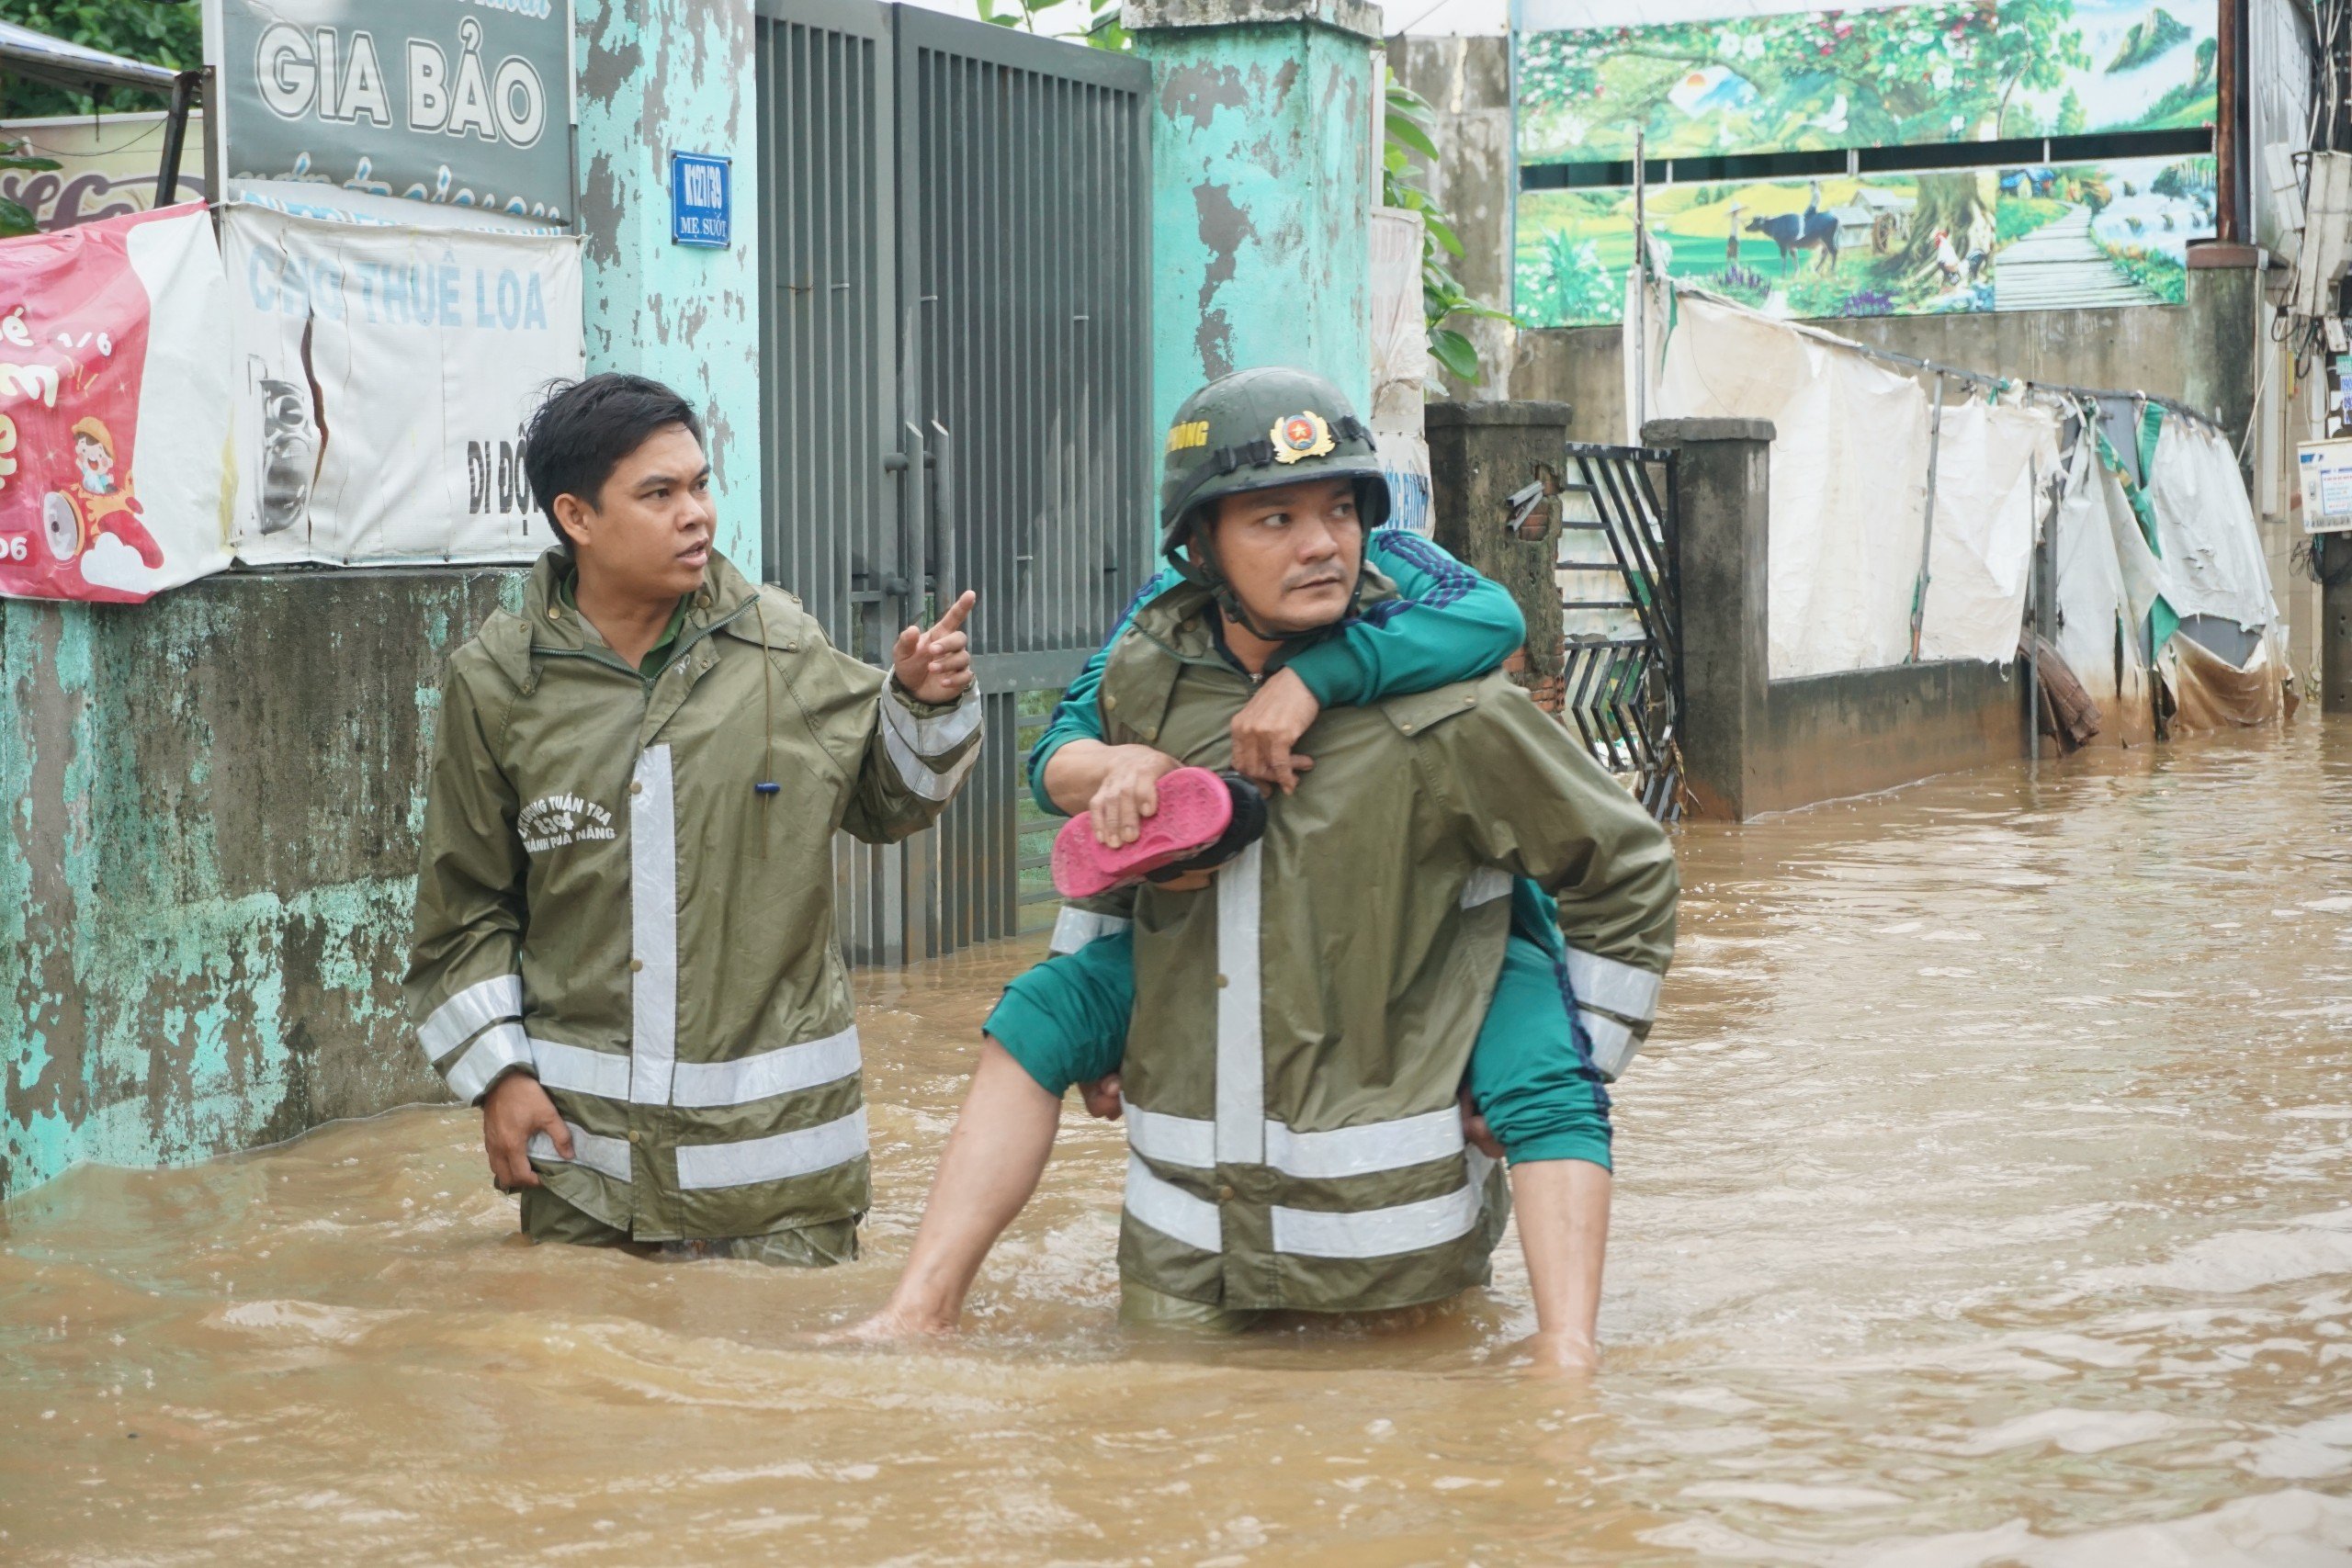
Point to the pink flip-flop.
(1195, 807)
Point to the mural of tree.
(1934, 73)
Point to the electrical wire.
(2316, 561)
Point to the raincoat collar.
(554, 628)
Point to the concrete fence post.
(658, 77)
(1265, 119)
(1723, 474)
(1479, 455)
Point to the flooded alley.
(1985, 1198)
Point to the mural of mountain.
(2154, 34)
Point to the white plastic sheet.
(380, 381)
(1849, 478)
(1990, 460)
(2098, 627)
(2213, 563)
(1400, 354)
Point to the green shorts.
(546, 1217)
(1140, 1307)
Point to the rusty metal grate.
(1621, 617)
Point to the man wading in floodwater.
(624, 950)
(1304, 1017)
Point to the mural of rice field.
(1829, 80)
(1972, 240)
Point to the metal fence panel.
(956, 342)
(1025, 343)
(1618, 570)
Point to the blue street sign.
(698, 199)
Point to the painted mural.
(1971, 240)
(1827, 79)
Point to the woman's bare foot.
(1557, 1355)
(892, 1324)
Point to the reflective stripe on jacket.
(605, 900)
(1301, 1027)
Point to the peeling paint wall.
(1262, 196)
(658, 77)
(212, 800)
(204, 873)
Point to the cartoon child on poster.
(99, 501)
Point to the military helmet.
(1258, 429)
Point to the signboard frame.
(2324, 471)
(690, 221)
(220, 124)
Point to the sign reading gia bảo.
(463, 104)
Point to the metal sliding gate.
(1622, 614)
(955, 346)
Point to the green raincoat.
(1302, 1027)
(605, 900)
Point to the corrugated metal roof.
(26, 53)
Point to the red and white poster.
(114, 408)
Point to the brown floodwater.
(1985, 1199)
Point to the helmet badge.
(1297, 436)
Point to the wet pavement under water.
(1986, 1198)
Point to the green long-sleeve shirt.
(1446, 624)
(1531, 1070)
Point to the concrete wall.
(212, 800)
(2210, 353)
(658, 77)
(2140, 348)
(1261, 148)
(1480, 455)
(1828, 737)
(206, 873)
(1752, 744)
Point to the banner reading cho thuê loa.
(381, 379)
(113, 340)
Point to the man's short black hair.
(584, 428)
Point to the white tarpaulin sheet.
(2098, 627)
(378, 383)
(2213, 563)
(1849, 478)
(1850, 488)
(1991, 461)
(1400, 357)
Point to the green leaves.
(1103, 31)
(1455, 352)
(16, 218)
(163, 32)
(1403, 128)
(1405, 134)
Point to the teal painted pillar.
(1263, 146)
(658, 77)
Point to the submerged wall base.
(209, 854)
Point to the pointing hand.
(936, 666)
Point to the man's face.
(649, 528)
(1291, 554)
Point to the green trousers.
(546, 1217)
